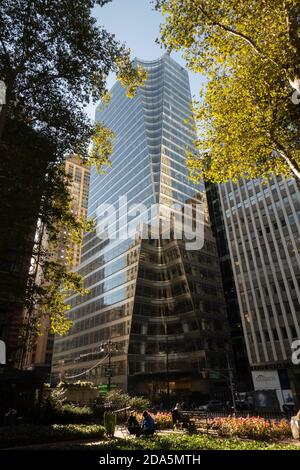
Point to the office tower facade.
(159, 303)
(79, 177)
(241, 365)
(79, 180)
(262, 223)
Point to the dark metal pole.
(231, 383)
(109, 366)
(167, 370)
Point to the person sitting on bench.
(133, 424)
(147, 426)
(176, 417)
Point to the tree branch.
(6, 54)
(291, 162)
(240, 35)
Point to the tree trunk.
(295, 83)
(293, 166)
(2, 119)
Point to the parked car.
(242, 405)
(288, 408)
(212, 405)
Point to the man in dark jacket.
(133, 425)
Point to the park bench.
(195, 420)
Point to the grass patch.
(12, 436)
(186, 442)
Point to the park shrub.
(118, 400)
(79, 385)
(55, 409)
(69, 413)
(139, 403)
(22, 435)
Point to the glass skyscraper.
(160, 303)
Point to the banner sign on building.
(264, 380)
(2, 353)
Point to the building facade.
(79, 180)
(79, 176)
(241, 365)
(160, 304)
(262, 221)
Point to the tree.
(248, 118)
(53, 59)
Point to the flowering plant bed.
(251, 428)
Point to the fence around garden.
(270, 414)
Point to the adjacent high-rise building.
(79, 176)
(79, 180)
(154, 321)
(262, 221)
(241, 364)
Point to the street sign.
(2, 352)
(103, 388)
(109, 371)
(214, 375)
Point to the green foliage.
(130, 77)
(178, 441)
(57, 398)
(247, 124)
(56, 410)
(121, 399)
(110, 421)
(78, 385)
(139, 403)
(52, 60)
(117, 398)
(51, 281)
(32, 434)
(105, 99)
(71, 414)
(101, 148)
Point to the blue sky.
(135, 23)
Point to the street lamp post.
(167, 370)
(231, 383)
(110, 346)
(228, 377)
(61, 363)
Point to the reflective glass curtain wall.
(162, 305)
